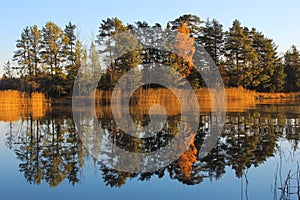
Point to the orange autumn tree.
(187, 159)
(184, 48)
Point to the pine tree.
(148, 35)
(239, 54)
(54, 56)
(213, 39)
(80, 55)
(297, 76)
(105, 39)
(80, 64)
(35, 47)
(53, 39)
(70, 32)
(70, 49)
(94, 61)
(267, 59)
(120, 48)
(292, 69)
(249, 57)
(22, 54)
(89, 65)
(278, 78)
(7, 69)
(27, 56)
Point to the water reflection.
(49, 147)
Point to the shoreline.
(232, 94)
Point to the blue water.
(257, 182)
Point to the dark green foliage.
(239, 54)
(49, 59)
(278, 78)
(213, 40)
(263, 70)
(70, 51)
(8, 71)
(292, 69)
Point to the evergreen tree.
(80, 55)
(267, 60)
(49, 59)
(120, 49)
(70, 32)
(27, 56)
(149, 36)
(249, 57)
(292, 69)
(28, 50)
(105, 39)
(7, 69)
(53, 41)
(54, 56)
(35, 42)
(22, 54)
(94, 60)
(35, 48)
(278, 78)
(90, 68)
(297, 82)
(239, 54)
(81, 64)
(70, 48)
(213, 39)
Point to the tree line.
(48, 59)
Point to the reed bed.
(236, 100)
(15, 105)
(278, 96)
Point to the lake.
(43, 156)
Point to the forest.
(47, 59)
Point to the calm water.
(44, 158)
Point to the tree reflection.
(50, 148)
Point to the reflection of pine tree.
(293, 133)
(115, 178)
(51, 151)
(214, 163)
(250, 146)
(30, 155)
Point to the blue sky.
(279, 20)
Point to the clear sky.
(279, 20)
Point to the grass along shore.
(235, 97)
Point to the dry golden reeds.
(15, 105)
(237, 99)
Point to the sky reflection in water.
(240, 166)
